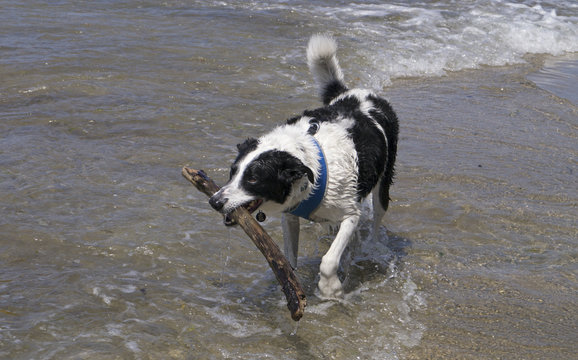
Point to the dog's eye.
(252, 180)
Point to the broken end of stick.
(297, 307)
(200, 180)
(195, 175)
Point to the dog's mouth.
(251, 207)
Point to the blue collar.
(308, 206)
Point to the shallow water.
(559, 75)
(106, 252)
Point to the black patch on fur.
(375, 159)
(343, 108)
(271, 175)
(332, 90)
(323, 114)
(386, 117)
(371, 153)
(293, 120)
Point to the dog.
(320, 165)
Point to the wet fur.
(357, 131)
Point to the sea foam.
(432, 39)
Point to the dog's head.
(261, 179)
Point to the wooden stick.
(296, 300)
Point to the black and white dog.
(320, 165)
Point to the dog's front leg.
(291, 237)
(329, 284)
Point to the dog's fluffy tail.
(323, 64)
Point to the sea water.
(106, 252)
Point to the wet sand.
(494, 234)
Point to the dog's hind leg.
(380, 200)
(378, 212)
(329, 284)
(290, 225)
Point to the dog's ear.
(309, 173)
(247, 146)
(294, 173)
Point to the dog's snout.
(217, 202)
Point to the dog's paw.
(330, 288)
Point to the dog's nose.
(217, 202)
